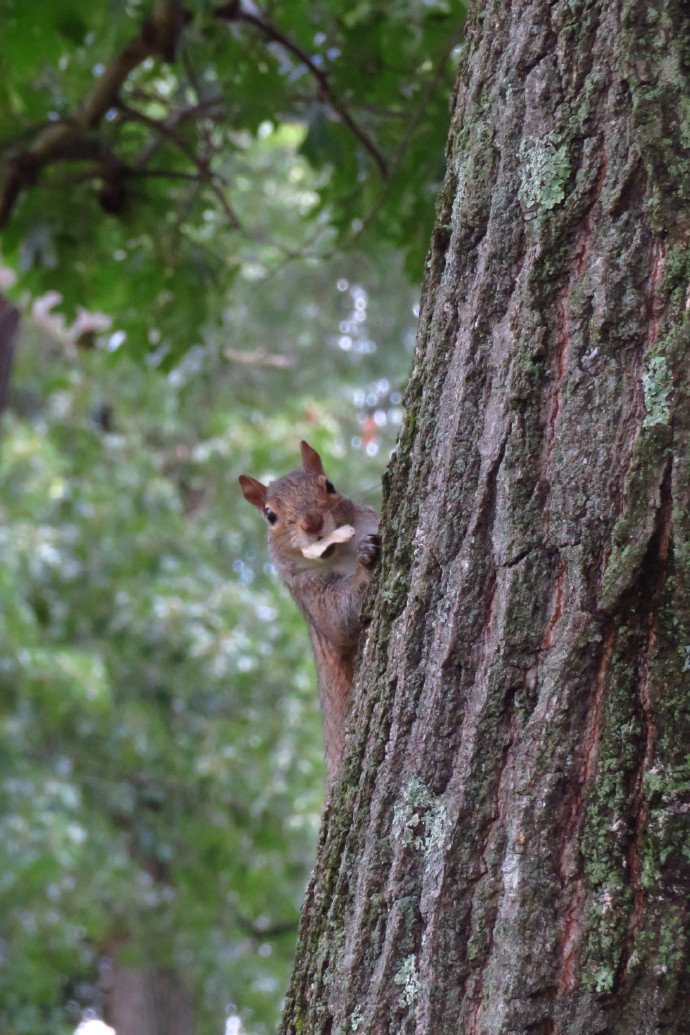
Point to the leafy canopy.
(126, 130)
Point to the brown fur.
(328, 590)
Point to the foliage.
(148, 205)
(161, 764)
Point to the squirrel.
(324, 547)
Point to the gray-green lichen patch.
(656, 384)
(408, 979)
(460, 187)
(356, 1018)
(420, 819)
(544, 169)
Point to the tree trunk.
(9, 325)
(148, 1002)
(508, 849)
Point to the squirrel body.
(306, 516)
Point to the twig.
(404, 146)
(258, 358)
(205, 132)
(113, 173)
(234, 11)
(7, 143)
(163, 174)
(166, 129)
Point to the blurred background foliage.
(187, 154)
(161, 762)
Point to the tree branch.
(163, 174)
(234, 11)
(258, 358)
(158, 38)
(167, 130)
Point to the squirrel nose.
(312, 522)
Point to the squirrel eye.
(271, 515)
(330, 487)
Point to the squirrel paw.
(369, 550)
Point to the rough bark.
(508, 848)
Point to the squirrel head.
(302, 509)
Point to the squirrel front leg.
(334, 604)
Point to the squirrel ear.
(311, 461)
(253, 491)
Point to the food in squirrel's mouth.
(339, 535)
